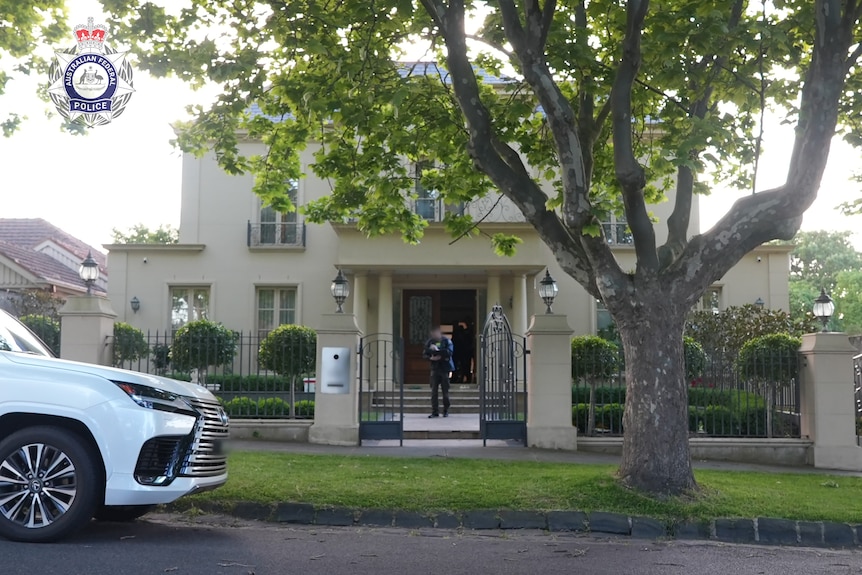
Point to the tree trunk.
(656, 456)
(591, 414)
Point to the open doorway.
(455, 310)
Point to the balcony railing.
(618, 233)
(273, 234)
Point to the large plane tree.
(606, 105)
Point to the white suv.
(79, 441)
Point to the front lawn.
(437, 484)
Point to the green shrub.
(771, 359)
(290, 351)
(273, 406)
(695, 358)
(161, 357)
(46, 328)
(241, 406)
(608, 417)
(304, 408)
(594, 358)
(130, 344)
(233, 383)
(200, 344)
(604, 394)
(714, 420)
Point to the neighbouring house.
(37, 255)
(251, 268)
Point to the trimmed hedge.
(609, 417)
(267, 407)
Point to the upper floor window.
(189, 303)
(275, 306)
(617, 230)
(274, 228)
(427, 203)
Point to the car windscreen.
(15, 337)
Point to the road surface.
(222, 546)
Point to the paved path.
(504, 450)
(455, 422)
(215, 546)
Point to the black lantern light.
(548, 290)
(823, 308)
(340, 289)
(88, 271)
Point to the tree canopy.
(141, 234)
(27, 28)
(572, 110)
(826, 259)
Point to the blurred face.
(436, 333)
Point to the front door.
(421, 312)
(454, 310)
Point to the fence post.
(86, 326)
(549, 384)
(827, 402)
(336, 416)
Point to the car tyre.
(50, 484)
(121, 513)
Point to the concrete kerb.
(764, 530)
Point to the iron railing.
(243, 379)
(722, 402)
(857, 387)
(275, 234)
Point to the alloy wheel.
(38, 483)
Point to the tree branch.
(503, 165)
(680, 218)
(630, 174)
(777, 213)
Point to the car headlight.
(153, 398)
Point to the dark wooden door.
(421, 312)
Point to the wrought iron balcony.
(276, 234)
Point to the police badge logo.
(90, 84)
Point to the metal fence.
(46, 327)
(722, 401)
(277, 385)
(857, 387)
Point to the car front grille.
(206, 456)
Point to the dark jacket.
(446, 352)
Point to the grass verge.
(427, 485)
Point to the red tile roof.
(19, 238)
(30, 232)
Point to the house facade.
(244, 265)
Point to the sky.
(127, 172)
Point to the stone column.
(385, 329)
(493, 292)
(549, 384)
(336, 416)
(360, 300)
(519, 304)
(86, 329)
(828, 406)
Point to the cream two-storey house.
(251, 268)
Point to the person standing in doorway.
(439, 351)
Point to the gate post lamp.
(88, 271)
(340, 289)
(548, 290)
(823, 308)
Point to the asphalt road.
(223, 546)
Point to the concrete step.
(442, 435)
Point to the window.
(275, 306)
(281, 228)
(711, 300)
(605, 327)
(426, 199)
(189, 304)
(617, 230)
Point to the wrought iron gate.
(503, 381)
(381, 387)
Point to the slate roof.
(19, 238)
